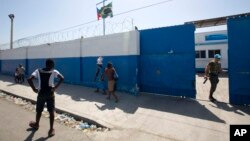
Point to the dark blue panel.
(125, 66)
(167, 61)
(162, 40)
(239, 60)
(69, 67)
(35, 64)
(9, 66)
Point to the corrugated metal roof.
(215, 21)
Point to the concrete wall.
(76, 59)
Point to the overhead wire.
(125, 12)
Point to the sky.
(33, 17)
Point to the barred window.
(200, 54)
(211, 53)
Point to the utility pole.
(103, 19)
(11, 30)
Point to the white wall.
(127, 43)
(111, 45)
(200, 37)
(202, 62)
(11, 54)
(55, 50)
(202, 44)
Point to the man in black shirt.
(45, 90)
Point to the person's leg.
(97, 90)
(22, 77)
(112, 90)
(51, 119)
(16, 79)
(39, 108)
(51, 109)
(19, 79)
(109, 89)
(97, 87)
(214, 81)
(103, 88)
(116, 98)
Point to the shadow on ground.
(221, 75)
(237, 109)
(130, 104)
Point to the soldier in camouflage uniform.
(212, 71)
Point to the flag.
(98, 13)
(105, 11)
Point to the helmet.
(217, 56)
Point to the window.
(200, 54)
(211, 53)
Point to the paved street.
(14, 126)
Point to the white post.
(11, 30)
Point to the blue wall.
(82, 70)
(162, 71)
(125, 66)
(9, 66)
(239, 60)
(69, 67)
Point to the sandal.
(33, 125)
(51, 132)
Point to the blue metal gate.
(239, 60)
(167, 61)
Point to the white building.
(209, 43)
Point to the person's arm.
(104, 74)
(30, 81)
(61, 78)
(96, 74)
(220, 69)
(207, 71)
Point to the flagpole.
(103, 19)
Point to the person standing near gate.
(212, 71)
(110, 72)
(98, 76)
(45, 90)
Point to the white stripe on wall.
(55, 50)
(112, 45)
(127, 43)
(12, 54)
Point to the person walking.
(212, 72)
(45, 90)
(110, 72)
(98, 76)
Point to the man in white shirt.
(45, 90)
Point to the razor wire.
(85, 31)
